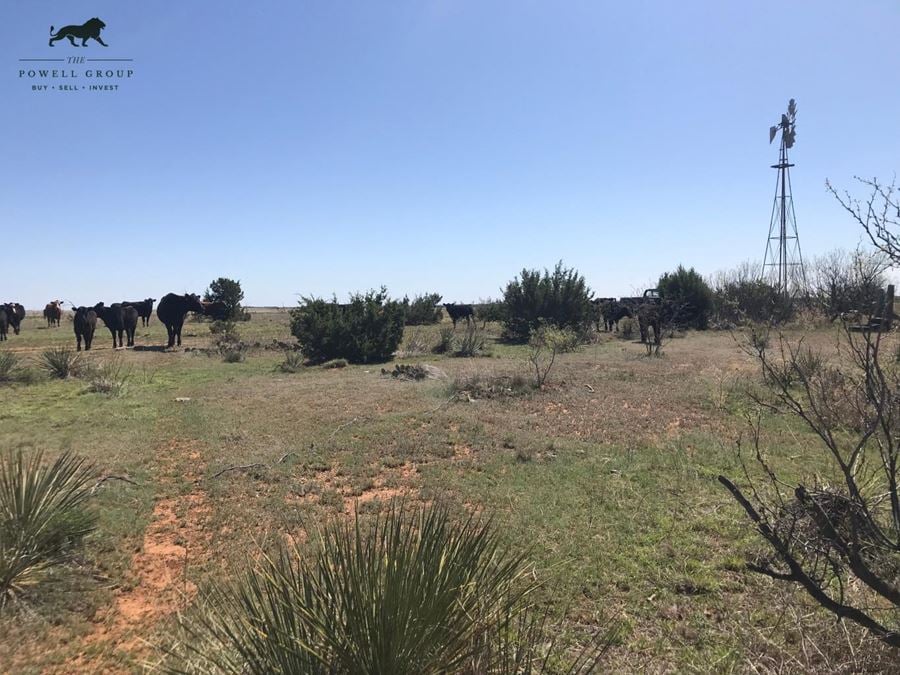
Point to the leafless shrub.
(839, 541)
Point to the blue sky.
(329, 146)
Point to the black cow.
(85, 321)
(458, 312)
(4, 322)
(15, 314)
(144, 309)
(172, 310)
(613, 312)
(130, 317)
(114, 318)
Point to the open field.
(608, 477)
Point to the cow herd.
(120, 318)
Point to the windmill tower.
(783, 261)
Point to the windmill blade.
(789, 136)
(772, 132)
(792, 109)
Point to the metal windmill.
(783, 261)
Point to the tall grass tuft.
(61, 362)
(293, 363)
(411, 594)
(109, 378)
(471, 343)
(42, 516)
(11, 370)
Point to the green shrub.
(545, 344)
(367, 330)
(61, 362)
(423, 310)
(230, 294)
(687, 292)
(407, 594)
(490, 310)
(626, 328)
(753, 301)
(560, 298)
(42, 517)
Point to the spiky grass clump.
(471, 343)
(109, 379)
(293, 363)
(61, 362)
(42, 516)
(11, 370)
(414, 594)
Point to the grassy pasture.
(608, 477)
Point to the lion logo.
(90, 29)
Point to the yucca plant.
(42, 516)
(61, 362)
(414, 594)
(9, 367)
(471, 343)
(293, 363)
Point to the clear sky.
(319, 147)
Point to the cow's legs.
(78, 340)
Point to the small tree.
(561, 299)
(847, 282)
(366, 330)
(839, 541)
(686, 289)
(545, 344)
(423, 309)
(831, 537)
(739, 296)
(230, 294)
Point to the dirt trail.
(177, 537)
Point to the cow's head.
(192, 300)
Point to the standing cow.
(53, 313)
(144, 309)
(114, 319)
(172, 310)
(130, 318)
(4, 322)
(85, 322)
(16, 314)
(458, 312)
